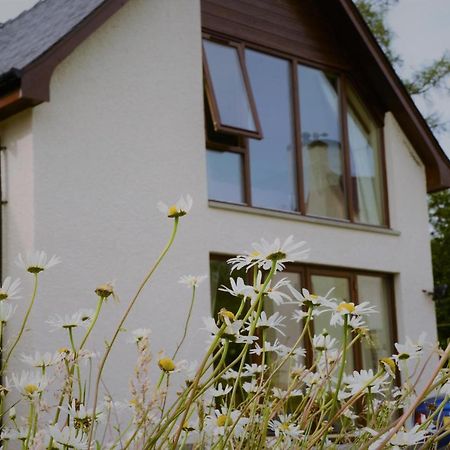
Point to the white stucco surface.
(123, 130)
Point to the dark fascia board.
(384, 77)
(34, 79)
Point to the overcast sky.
(422, 30)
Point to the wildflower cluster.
(267, 394)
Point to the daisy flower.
(410, 350)
(273, 293)
(403, 438)
(42, 360)
(6, 311)
(192, 281)
(264, 254)
(283, 427)
(268, 347)
(230, 374)
(238, 288)
(68, 437)
(36, 261)
(80, 415)
(323, 342)
(30, 383)
(139, 334)
(67, 321)
(251, 386)
(231, 329)
(19, 434)
(310, 300)
(349, 309)
(179, 209)
(275, 321)
(219, 391)
(10, 289)
(221, 421)
(253, 369)
(362, 381)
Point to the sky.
(422, 29)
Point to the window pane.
(292, 330)
(322, 145)
(272, 160)
(228, 85)
(320, 286)
(365, 163)
(225, 176)
(375, 290)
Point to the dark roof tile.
(36, 30)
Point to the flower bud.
(224, 313)
(166, 364)
(104, 290)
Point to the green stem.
(75, 357)
(93, 321)
(24, 323)
(342, 368)
(186, 325)
(124, 318)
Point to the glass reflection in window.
(379, 343)
(228, 86)
(225, 176)
(322, 146)
(272, 159)
(364, 163)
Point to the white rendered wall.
(124, 129)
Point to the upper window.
(282, 135)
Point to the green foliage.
(439, 210)
(374, 12)
(424, 80)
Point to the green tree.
(420, 84)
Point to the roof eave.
(404, 109)
(34, 79)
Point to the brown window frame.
(306, 271)
(343, 78)
(211, 96)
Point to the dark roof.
(33, 32)
(35, 42)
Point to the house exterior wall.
(123, 130)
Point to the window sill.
(296, 216)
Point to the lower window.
(349, 285)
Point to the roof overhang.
(21, 89)
(379, 72)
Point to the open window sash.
(228, 90)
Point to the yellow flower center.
(223, 420)
(313, 296)
(345, 307)
(30, 389)
(284, 426)
(255, 254)
(3, 295)
(173, 210)
(166, 364)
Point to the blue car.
(427, 407)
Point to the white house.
(288, 120)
